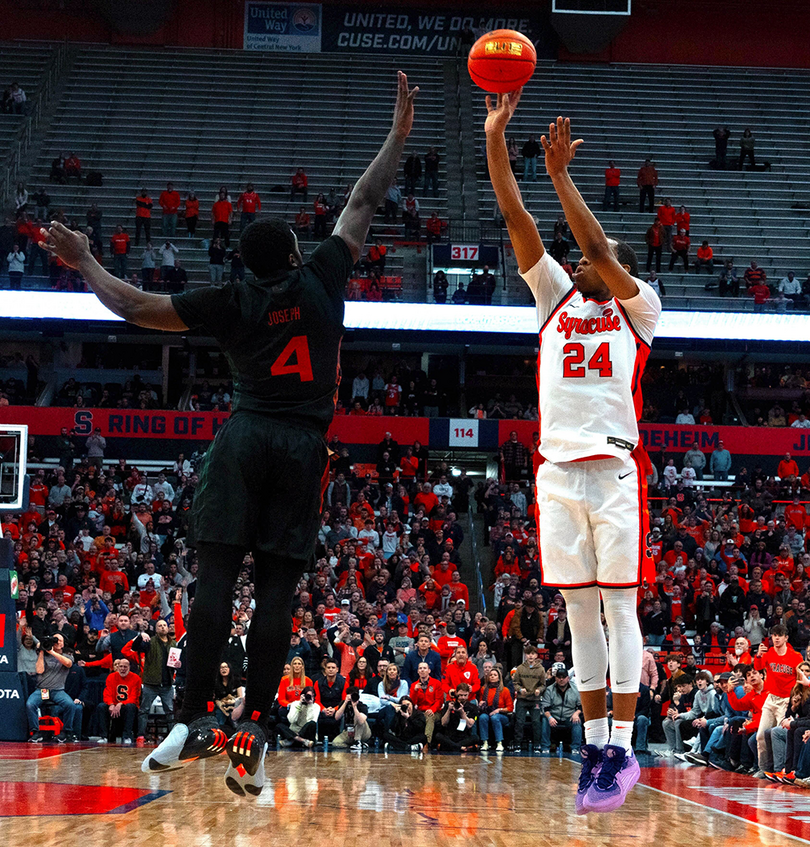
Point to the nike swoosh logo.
(585, 681)
(622, 681)
(622, 476)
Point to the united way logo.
(305, 21)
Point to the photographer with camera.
(356, 731)
(407, 730)
(456, 730)
(52, 669)
(303, 719)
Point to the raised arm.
(353, 224)
(153, 311)
(523, 232)
(587, 231)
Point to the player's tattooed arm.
(353, 224)
(523, 232)
(153, 311)
(587, 231)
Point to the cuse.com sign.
(283, 27)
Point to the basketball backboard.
(13, 478)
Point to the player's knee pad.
(588, 645)
(626, 643)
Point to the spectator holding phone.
(746, 693)
(780, 662)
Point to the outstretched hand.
(71, 247)
(499, 115)
(403, 111)
(560, 150)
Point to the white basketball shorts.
(594, 523)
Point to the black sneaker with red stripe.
(246, 749)
(187, 743)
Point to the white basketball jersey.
(592, 357)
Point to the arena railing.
(33, 118)
(482, 600)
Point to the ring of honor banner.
(283, 27)
(435, 432)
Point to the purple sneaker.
(591, 762)
(619, 773)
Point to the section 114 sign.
(463, 432)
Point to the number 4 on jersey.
(575, 356)
(294, 359)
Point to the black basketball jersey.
(281, 335)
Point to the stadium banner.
(283, 27)
(435, 432)
(429, 31)
(738, 440)
(192, 426)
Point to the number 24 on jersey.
(574, 366)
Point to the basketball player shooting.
(260, 486)
(595, 336)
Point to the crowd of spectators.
(161, 268)
(479, 291)
(382, 625)
(404, 391)
(731, 582)
(385, 648)
(132, 394)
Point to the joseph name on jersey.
(592, 356)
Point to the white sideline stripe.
(680, 799)
(434, 317)
(722, 812)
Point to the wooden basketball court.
(92, 796)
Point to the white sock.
(622, 734)
(597, 732)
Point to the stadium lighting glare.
(434, 317)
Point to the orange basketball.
(502, 60)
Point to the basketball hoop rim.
(18, 504)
